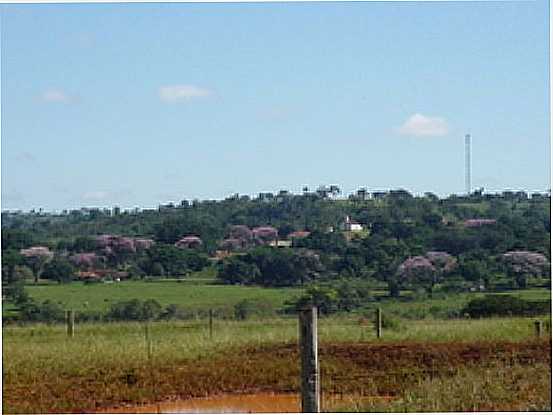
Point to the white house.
(351, 225)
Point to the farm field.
(107, 365)
(200, 295)
(194, 295)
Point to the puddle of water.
(248, 403)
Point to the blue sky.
(141, 104)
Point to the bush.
(47, 312)
(391, 323)
(253, 308)
(337, 296)
(505, 305)
(59, 269)
(175, 312)
(89, 316)
(324, 298)
(134, 310)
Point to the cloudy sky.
(140, 104)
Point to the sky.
(134, 105)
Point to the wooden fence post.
(378, 323)
(210, 323)
(148, 339)
(310, 388)
(538, 327)
(70, 322)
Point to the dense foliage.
(477, 242)
(505, 305)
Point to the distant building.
(476, 223)
(298, 234)
(280, 244)
(351, 225)
(379, 195)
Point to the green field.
(444, 306)
(197, 295)
(108, 364)
(96, 364)
(80, 296)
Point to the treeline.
(473, 233)
(397, 211)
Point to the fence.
(318, 386)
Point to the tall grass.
(42, 358)
(498, 387)
(124, 343)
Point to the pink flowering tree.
(523, 264)
(442, 261)
(241, 232)
(265, 234)
(103, 241)
(142, 244)
(426, 270)
(118, 249)
(123, 245)
(85, 260)
(37, 257)
(189, 242)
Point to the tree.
(12, 282)
(265, 234)
(37, 257)
(10, 259)
(417, 270)
(474, 270)
(163, 259)
(59, 269)
(84, 244)
(16, 239)
(135, 310)
(522, 264)
(324, 298)
(383, 257)
(86, 260)
(240, 232)
(233, 270)
(271, 267)
(426, 270)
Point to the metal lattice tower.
(467, 164)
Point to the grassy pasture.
(198, 295)
(441, 305)
(192, 295)
(108, 363)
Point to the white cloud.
(56, 95)
(422, 126)
(176, 93)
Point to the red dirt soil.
(370, 369)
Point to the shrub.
(253, 308)
(175, 312)
(59, 269)
(391, 323)
(505, 305)
(134, 310)
(324, 298)
(47, 311)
